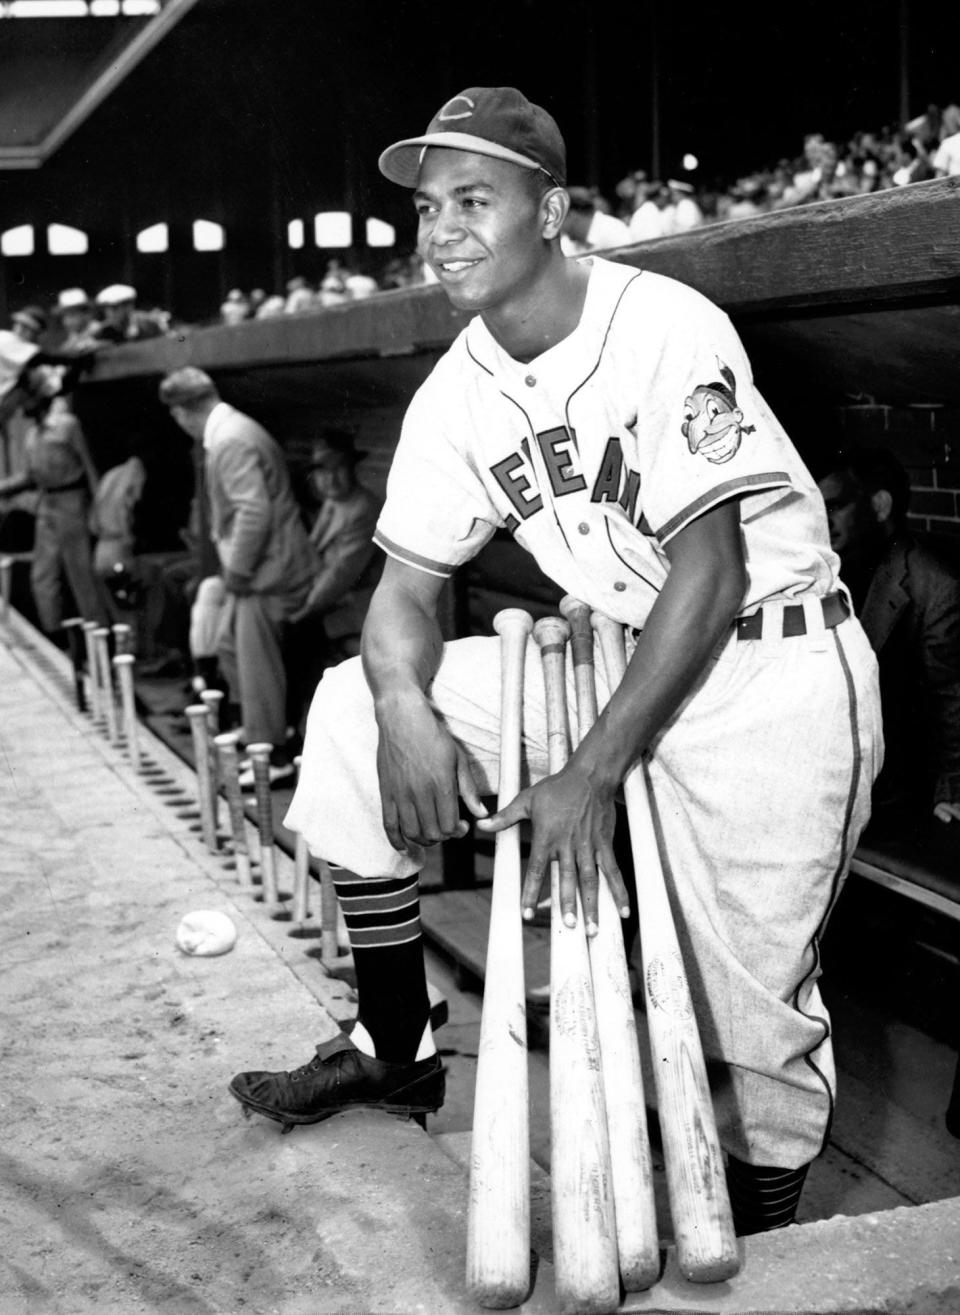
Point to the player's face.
(847, 516)
(479, 228)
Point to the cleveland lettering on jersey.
(558, 446)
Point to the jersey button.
(583, 527)
(619, 586)
(530, 381)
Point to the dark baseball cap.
(496, 121)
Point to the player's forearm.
(402, 645)
(696, 607)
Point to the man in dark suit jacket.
(908, 601)
(266, 560)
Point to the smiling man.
(563, 413)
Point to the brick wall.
(925, 437)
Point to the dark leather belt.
(835, 610)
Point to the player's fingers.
(614, 879)
(391, 825)
(447, 811)
(568, 889)
(533, 882)
(515, 811)
(468, 786)
(588, 880)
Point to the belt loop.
(771, 637)
(816, 629)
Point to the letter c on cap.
(447, 113)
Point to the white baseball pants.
(760, 786)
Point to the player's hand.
(573, 823)
(424, 773)
(945, 812)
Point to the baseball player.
(607, 418)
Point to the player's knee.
(342, 697)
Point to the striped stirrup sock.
(762, 1196)
(383, 918)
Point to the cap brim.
(401, 161)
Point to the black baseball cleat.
(341, 1077)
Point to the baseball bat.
(101, 644)
(122, 638)
(74, 628)
(301, 874)
(636, 1211)
(260, 762)
(123, 665)
(6, 583)
(498, 1216)
(200, 731)
(584, 1223)
(696, 1183)
(330, 916)
(212, 700)
(228, 757)
(93, 671)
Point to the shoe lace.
(311, 1067)
(315, 1064)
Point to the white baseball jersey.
(601, 449)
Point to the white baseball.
(206, 932)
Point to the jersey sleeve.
(704, 434)
(437, 513)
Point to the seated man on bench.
(908, 601)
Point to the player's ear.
(554, 205)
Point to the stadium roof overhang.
(62, 60)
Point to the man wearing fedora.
(122, 322)
(266, 561)
(75, 314)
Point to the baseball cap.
(34, 317)
(496, 121)
(72, 299)
(186, 385)
(116, 294)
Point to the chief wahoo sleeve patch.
(713, 424)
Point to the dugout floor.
(130, 1181)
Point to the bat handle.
(260, 761)
(226, 745)
(200, 731)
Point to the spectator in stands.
(122, 322)
(358, 284)
(271, 307)
(58, 465)
(333, 291)
(908, 601)
(75, 314)
(589, 228)
(29, 324)
(650, 219)
(300, 296)
(686, 213)
(326, 629)
(266, 559)
(18, 347)
(235, 308)
(946, 158)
